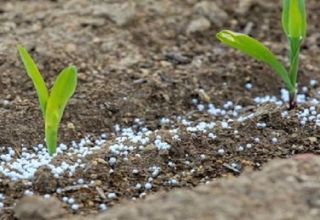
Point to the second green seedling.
(294, 23)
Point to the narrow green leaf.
(255, 49)
(35, 75)
(294, 19)
(62, 90)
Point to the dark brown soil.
(142, 64)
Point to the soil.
(248, 197)
(144, 60)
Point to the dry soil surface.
(284, 189)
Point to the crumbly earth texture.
(294, 195)
(160, 104)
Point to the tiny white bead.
(274, 140)
(103, 207)
(221, 151)
(148, 186)
(75, 206)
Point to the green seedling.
(294, 23)
(52, 105)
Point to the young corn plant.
(52, 104)
(294, 23)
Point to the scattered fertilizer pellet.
(80, 181)
(164, 121)
(112, 195)
(173, 182)
(261, 125)
(75, 207)
(161, 145)
(234, 165)
(284, 114)
(71, 201)
(148, 186)
(200, 107)
(221, 151)
(142, 195)
(155, 171)
(103, 207)
(274, 140)
(248, 86)
(313, 83)
(212, 136)
(224, 125)
(305, 89)
(28, 193)
(112, 161)
(228, 105)
(171, 164)
(138, 186)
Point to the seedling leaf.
(255, 49)
(294, 19)
(62, 90)
(35, 75)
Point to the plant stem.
(51, 133)
(294, 66)
(292, 101)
